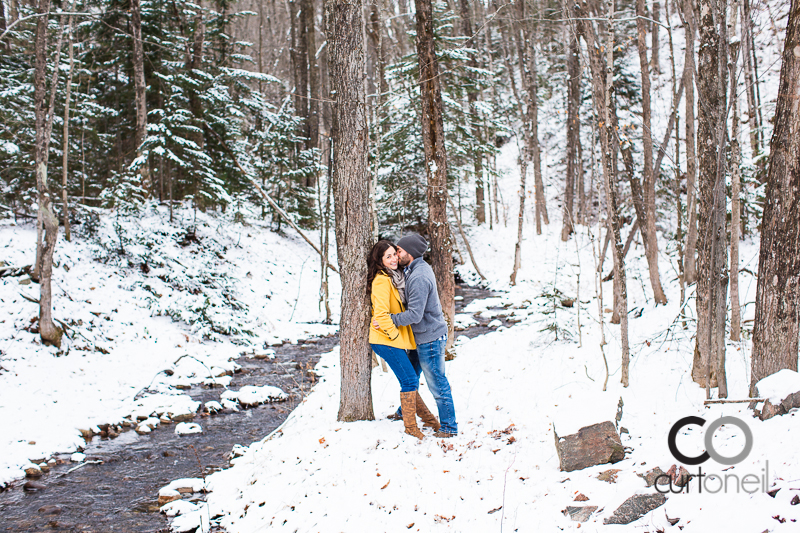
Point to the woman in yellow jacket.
(386, 287)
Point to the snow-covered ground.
(511, 389)
(110, 365)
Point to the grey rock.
(770, 410)
(635, 507)
(50, 510)
(652, 475)
(33, 486)
(578, 513)
(592, 445)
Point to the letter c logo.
(673, 447)
(711, 452)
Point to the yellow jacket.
(386, 301)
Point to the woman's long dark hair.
(375, 261)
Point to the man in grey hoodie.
(424, 315)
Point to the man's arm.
(416, 294)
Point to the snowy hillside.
(167, 303)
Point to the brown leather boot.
(408, 401)
(429, 421)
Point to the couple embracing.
(409, 332)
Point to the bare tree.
(194, 61)
(65, 148)
(376, 33)
(324, 236)
(573, 137)
(141, 95)
(775, 342)
(49, 332)
(677, 87)
(313, 79)
(520, 223)
(3, 24)
(708, 368)
(299, 55)
(648, 224)
(472, 96)
(48, 116)
(690, 268)
(435, 164)
(347, 63)
(602, 88)
(655, 46)
(736, 180)
(524, 35)
(523, 155)
(751, 81)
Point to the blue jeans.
(429, 358)
(399, 362)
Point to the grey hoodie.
(424, 311)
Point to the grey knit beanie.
(414, 244)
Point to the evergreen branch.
(36, 15)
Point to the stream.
(120, 491)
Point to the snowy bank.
(128, 353)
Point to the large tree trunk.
(435, 164)
(347, 62)
(602, 89)
(712, 277)
(48, 331)
(775, 332)
(141, 95)
(648, 224)
(690, 266)
(573, 136)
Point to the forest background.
(376, 119)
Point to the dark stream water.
(120, 494)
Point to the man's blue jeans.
(400, 363)
(429, 358)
